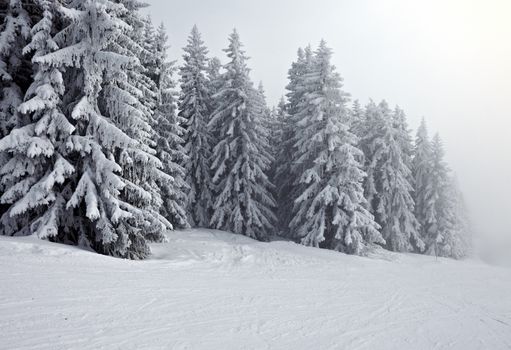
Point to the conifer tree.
(169, 131)
(97, 213)
(14, 67)
(243, 202)
(285, 178)
(213, 75)
(195, 109)
(278, 119)
(36, 170)
(456, 240)
(387, 186)
(449, 236)
(125, 102)
(15, 25)
(330, 211)
(424, 195)
(357, 121)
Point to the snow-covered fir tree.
(331, 210)
(278, 119)
(424, 194)
(95, 212)
(213, 74)
(449, 234)
(457, 241)
(387, 186)
(243, 202)
(267, 116)
(285, 179)
(169, 130)
(195, 108)
(357, 116)
(36, 170)
(15, 70)
(15, 30)
(124, 101)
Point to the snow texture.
(214, 290)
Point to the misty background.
(446, 60)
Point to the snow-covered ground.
(214, 290)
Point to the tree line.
(100, 145)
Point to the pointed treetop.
(260, 88)
(422, 131)
(300, 53)
(438, 145)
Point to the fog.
(446, 60)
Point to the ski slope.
(213, 290)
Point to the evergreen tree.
(195, 109)
(243, 202)
(449, 235)
(278, 120)
(97, 212)
(15, 73)
(169, 133)
(285, 178)
(424, 195)
(456, 242)
(330, 211)
(14, 67)
(124, 101)
(357, 116)
(36, 169)
(387, 186)
(214, 76)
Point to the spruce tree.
(387, 186)
(450, 234)
(330, 211)
(214, 76)
(243, 202)
(424, 195)
(278, 119)
(123, 99)
(15, 69)
(195, 109)
(169, 131)
(456, 241)
(36, 170)
(97, 212)
(15, 72)
(285, 178)
(357, 121)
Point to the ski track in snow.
(207, 289)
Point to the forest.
(108, 144)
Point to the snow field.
(208, 289)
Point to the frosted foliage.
(330, 208)
(425, 194)
(126, 99)
(169, 131)
(243, 202)
(101, 108)
(36, 171)
(285, 178)
(387, 186)
(195, 107)
(14, 34)
(449, 236)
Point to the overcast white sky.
(447, 60)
